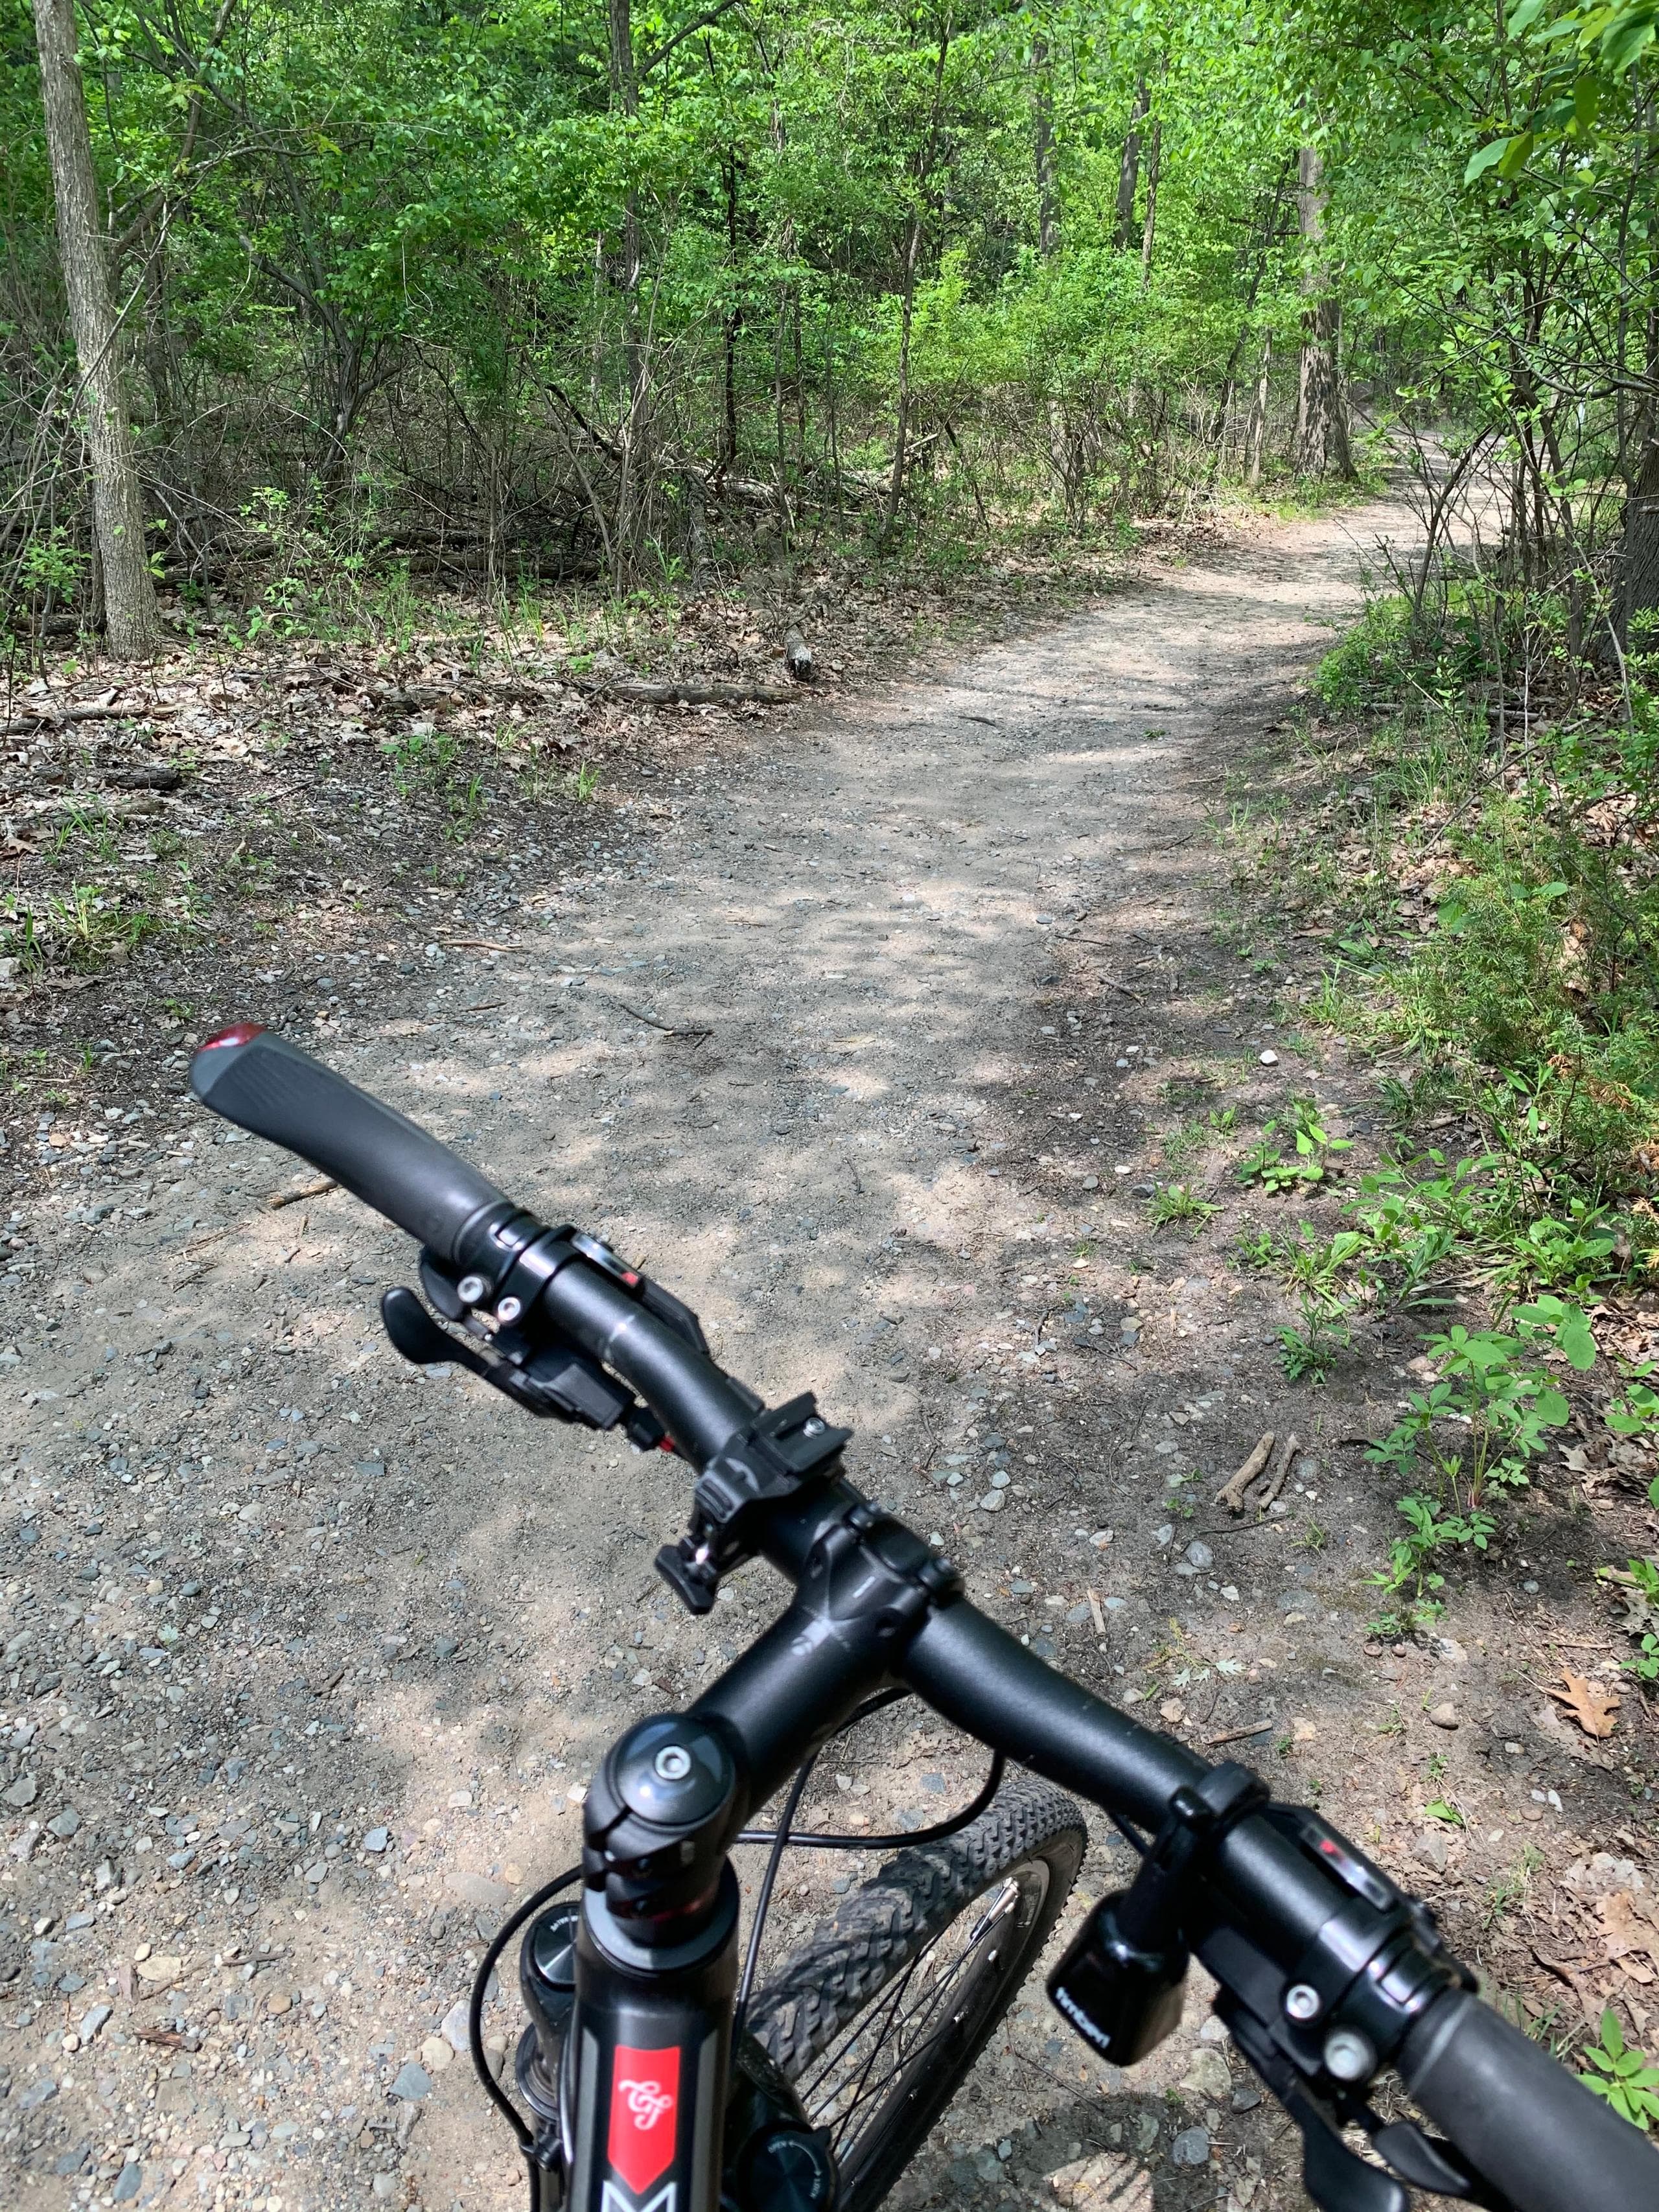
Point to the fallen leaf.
(1626, 1927)
(1592, 1704)
(1172, 1709)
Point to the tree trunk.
(625, 99)
(1321, 425)
(1128, 175)
(908, 299)
(1149, 229)
(1042, 148)
(132, 619)
(1256, 437)
(1637, 606)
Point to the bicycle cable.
(493, 1950)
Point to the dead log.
(645, 694)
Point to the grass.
(1179, 1203)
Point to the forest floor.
(868, 1030)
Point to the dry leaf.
(1592, 1704)
(1627, 1927)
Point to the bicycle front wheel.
(877, 2019)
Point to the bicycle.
(656, 2076)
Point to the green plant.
(1442, 1809)
(421, 758)
(583, 782)
(1307, 1161)
(1411, 1577)
(1497, 1410)
(1308, 1352)
(1179, 1202)
(1622, 2076)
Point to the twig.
(57, 714)
(279, 1198)
(667, 1027)
(1231, 1492)
(482, 944)
(1237, 1736)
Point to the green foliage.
(1180, 1202)
(1623, 2077)
(1307, 1161)
(1411, 1579)
(1478, 1426)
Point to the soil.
(867, 1031)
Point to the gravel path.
(307, 1656)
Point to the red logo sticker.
(645, 2090)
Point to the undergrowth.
(1485, 883)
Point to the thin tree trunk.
(1636, 602)
(1256, 437)
(1128, 173)
(1321, 425)
(625, 98)
(908, 301)
(1149, 228)
(132, 619)
(1042, 148)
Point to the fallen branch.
(279, 1198)
(1237, 1736)
(57, 712)
(696, 1036)
(644, 694)
(1231, 1492)
(1293, 1445)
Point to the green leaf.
(1485, 158)
(1521, 18)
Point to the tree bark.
(1256, 437)
(908, 299)
(1321, 425)
(1149, 229)
(1128, 173)
(1639, 595)
(132, 619)
(1042, 148)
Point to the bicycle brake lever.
(551, 1380)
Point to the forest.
(487, 295)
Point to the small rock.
(1246, 2097)
(24, 1790)
(477, 1889)
(1164, 1535)
(1191, 2146)
(64, 1823)
(445, 1647)
(460, 1801)
(1443, 1715)
(1209, 2074)
(160, 1967)
(38, 2093)
(455, 2027)
(1269, 1058)
(435, 2054)
(377, 1840)
(413, 2082)
(128, 2183)
(1431, 1849)
(97, 2016)
(277, 2003)
(1200, 1555)
(385, 2185)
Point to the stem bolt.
(1348, 2055)
(812, 1428)
(508, 1311)
(471, 1289)
(672, 1763)
(1302, 2002)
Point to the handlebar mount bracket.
(781, 1453)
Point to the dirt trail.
(308, 1655)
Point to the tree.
(132, 620)
(1322, 421)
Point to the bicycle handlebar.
(267, 1086)
(1526, 2124)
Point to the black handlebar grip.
(1522, 2119)
(276, 1091)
